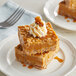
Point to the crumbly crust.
(33, 45)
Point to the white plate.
(50, 11)
(10, 66)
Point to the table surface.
(37, 6)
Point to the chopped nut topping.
(38, 21)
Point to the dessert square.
(34, 45)
(64, 10)
(39, 61)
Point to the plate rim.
(45, 8)
(63, 38)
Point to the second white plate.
(50, 11)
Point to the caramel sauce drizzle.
(66, 17)
(59, 59)
(74, 20)
(68, 20)
(30, 66)
(24, 65)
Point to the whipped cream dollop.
(38, 28)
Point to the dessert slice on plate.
(39, 61)
(38, 44)
(38, 37)
(67, 8)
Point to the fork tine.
(17, 17)
(13, 18)
(12, 15)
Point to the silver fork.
(13, 18)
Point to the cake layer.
(64, 10)
(39, 61)
(33, 45)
